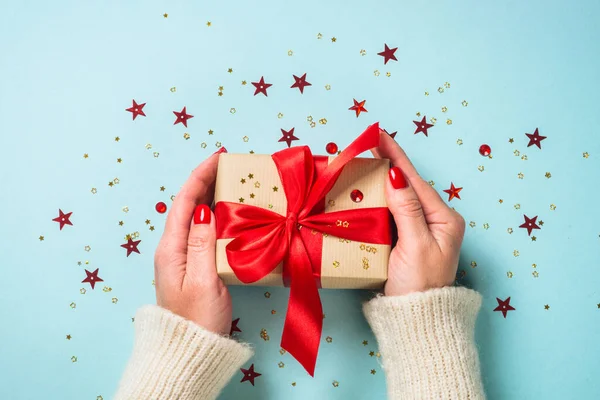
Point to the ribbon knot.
(264, 239)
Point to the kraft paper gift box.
(253, 179)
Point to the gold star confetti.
(541, 223)
(85, 155)
(472, 224)
(313, 124)
(524, 157)
(106, 289)
(172, 197)
(335, 383)
(125, 209)
(388, 74)
(264, 335)
(115, 300)
(546, 307)
(586, 154)
(68, 337)
(444, 109)
(323, 121)
(243, 180)
(203, 145)
(363, 52)
(486, 226)
(336, 264)
(328, 87)
(517, 206)
(230, 70)
(319, 36)
(87, 248)
(473, 264)
(73, 305)
(516, 253)
(548, 175)
(208, 23)
(280, 115)
(151, 228)
(221, 88)
(433, 120)
(267, 294)
(552, 207)
(447, 85)
(73, 359)
(156, 154)
(500, 201)
(243, 83)
(147, 222)
(245, 139)
(371, 353)
(334, 39)
(329, 339)
(210, 131)
(535, 274)
(250, 176)
(331, 203)
(41, 238)
(376, 72)
(241, 199)
(511, 140)
(218, 144)
(290, 53)
(257, 184)
(251, 195)
(275, 188)
(281, 364)
(365, 342)
(117, 139)
(533, 265)
(165, 15)
(465, 103)
(509, 274)
(186, 136)
(431, 183)
(373, 372)
(94, 190)
(162, 188)
(232, 110)
(82, 291)
(459, 142)
(448, 122)
(510, 231)
(173, 89)
(533, 238)
(481, 168)
(116, 181)
(441, 89)
(426, 93)
(273, 312)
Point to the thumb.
(201, 264)
(405, 207)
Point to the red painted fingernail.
(202, 214)
(397, 178)
(221, 150)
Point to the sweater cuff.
(427, 343)
(174, 358)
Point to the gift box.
(307, 222)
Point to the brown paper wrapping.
(253, 179)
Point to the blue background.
(68, 70)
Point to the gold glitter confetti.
(309, 118)
(511, 140)
(293, 383)
(69, 337)
(426, 93)
(186, 136)
(444, 109)
(365, 262)
(147, 222)
(323, 121)
(533, 265)
(552, 207)
(473, 264)
(282, 351)
(250, 176)
(148, 146)
(290, 53)
(280, 115)
(465, 103)
(336, 264)
(331, 203)
(376, 72)
(329, 339)
(500, 201)
(220, 94)
(116, 181)
(313, 124)
(243, 180)
(245, 139)
(586, 154)
(524, 157)
(327, 87)
(447, 85)
(264, 335)
(516, 253)
(546, 307)
(107, 289)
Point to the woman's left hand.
(187, 283)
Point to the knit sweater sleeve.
(427, 343)
(174, 358)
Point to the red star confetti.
(300, 83)
(288, 137)
(392, 135)
(92, 278)
(63, 219)
(422, 126)
(453, 192)
(358, 107)
(249, 374)
(504, 306)
(388, 54)
(234, 327)
(136, 109)
(535, 138)
(131, 246)
(182, 117)
(530, 224)
(261, 86)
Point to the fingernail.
(202, 214)
(221, 150)
(397, 178)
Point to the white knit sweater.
(426, 342)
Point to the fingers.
(430, 200)
(405, 207)
(198, 189)
(201, 264)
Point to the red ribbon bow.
(264, 238)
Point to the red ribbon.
(263, 238)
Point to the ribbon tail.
(304, 318)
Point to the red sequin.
(485, 150)
(356, 196)
(331, 148)
(161, 207)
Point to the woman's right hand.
(429, 232)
